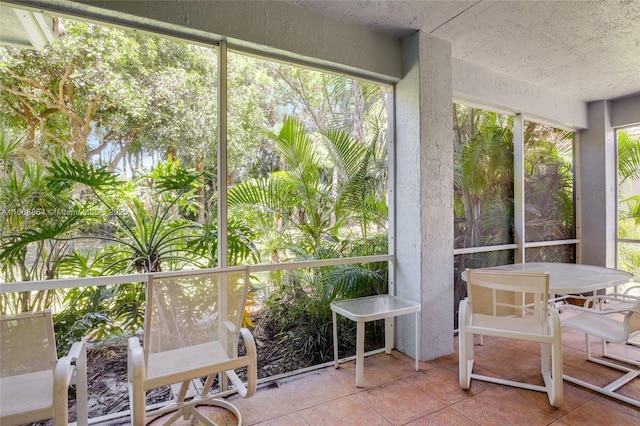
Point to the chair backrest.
(502, 293)
(195, 307)
(27, 344)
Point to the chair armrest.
(133, 342)
(76, 350)
(136, 376)
(628, 290)
(595, 311)
(252, 368)
(135, 354)
(135, 361)
(71, 369)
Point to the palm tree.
(319, 214)
(309, 210)
(147, 213)
(628, 201)
(483, 189)
(483, 179)
(549, 210)
(28, 248)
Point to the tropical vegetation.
(484, 190)
(628, 141)
(109, 158)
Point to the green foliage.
(483, 179)
(484, 189)
(299, 309)
(313, 211)
(65, 172)
(122, 88)
(357, 280)
(628, 156)
(147, 237)
(34, 237)
(96, 105)
(628, 200)
(549, 212)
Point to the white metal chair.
(192, 327)
(614, 325)
(34, 383)
(623, 300)
(512, 305)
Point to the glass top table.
(569, 278)
(364, 309)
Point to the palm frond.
(347, 150)
(12, 249)
(171, 176)
(65, 172)
(294, 144)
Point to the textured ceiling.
(587, 50)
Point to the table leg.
(359, 354)
(388, 334)
(418, 341)
(335, 339)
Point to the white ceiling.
(586, 50)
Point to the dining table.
(569, 278)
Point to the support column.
(598, 181)
(424, 194)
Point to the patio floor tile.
(395, 394)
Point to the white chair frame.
(617, 301)
(602, 324)
(40, 395)
(533, 320)
(178, 367)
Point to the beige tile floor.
(395, 394)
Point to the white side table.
(372, 308)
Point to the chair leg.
(606, 354)
(611, 388)
(465, 347)
(553, 354)
(556, 375)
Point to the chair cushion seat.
(31, 394)
(602, 327)
(185, 363)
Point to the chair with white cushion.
(625, 299)
(192, 327)
(34, 383)
(511, 305)
(614, 325)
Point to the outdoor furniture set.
(512, 301)
(193, 321)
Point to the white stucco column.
(424, 193)
(598, 165)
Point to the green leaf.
(66, 171)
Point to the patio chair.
(613, 325)
(34, 383)
(192, 327)
(511, 305)
(622, 300)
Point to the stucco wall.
(626, 111)
(424, 196)
(598, 187)
(486, 87)
(287, 31)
